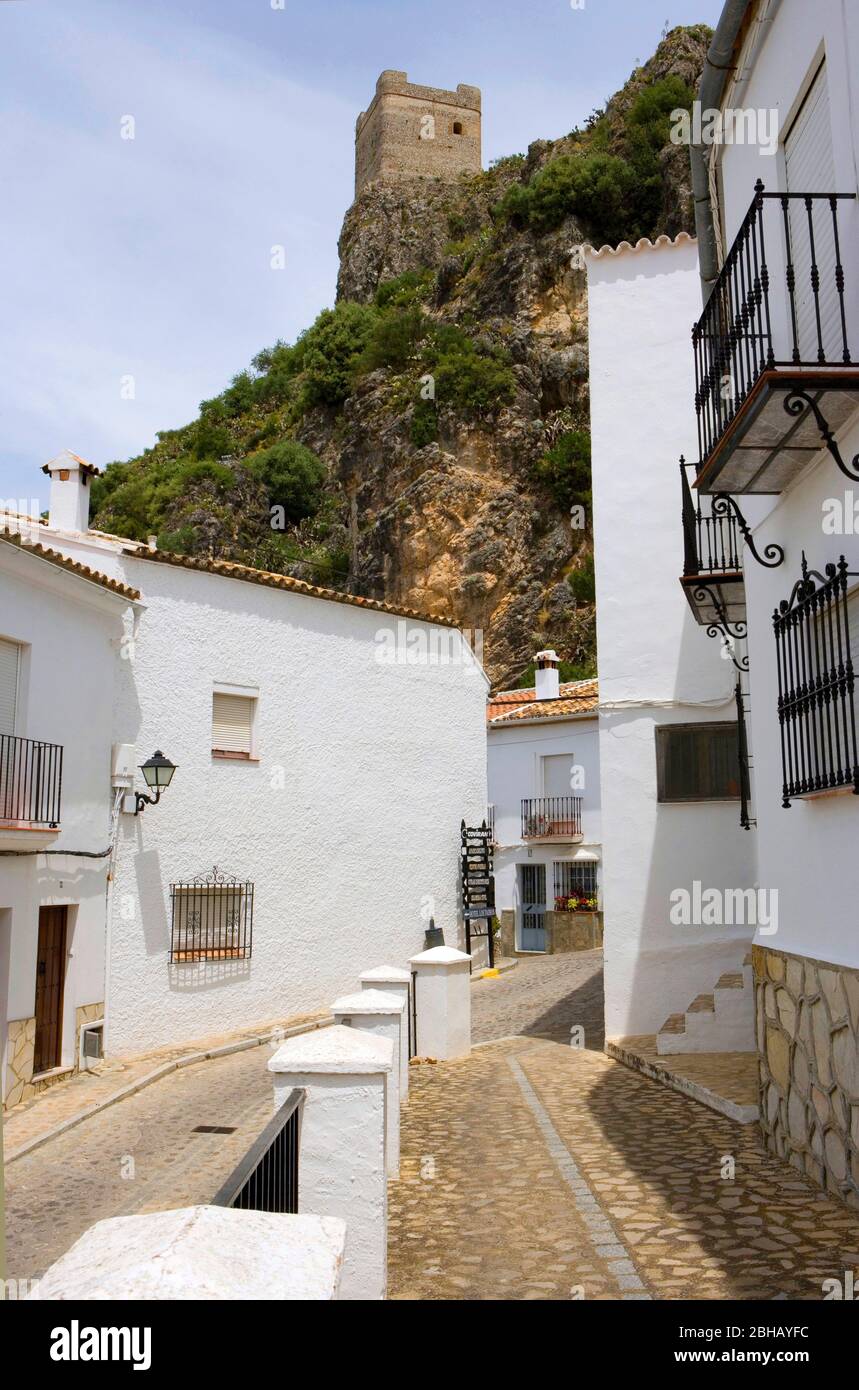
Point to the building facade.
(778, 418)
(544, 791)
(326, 750)
(61, 630)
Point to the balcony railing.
(711, 535)
(31, 780)
(779, 303)
(552, 818)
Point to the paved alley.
(533, 1170)
(542, 996)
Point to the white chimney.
(547, 678)
(70, 484)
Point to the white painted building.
(667, 715)
(793, 415)
(61, 627)
(764, 403)
(327, 748)
(544, 791)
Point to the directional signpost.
(478, 885)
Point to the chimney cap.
(66, 461)
(547, 658)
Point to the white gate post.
(392, 980)
(381, 1015)
(341, 1165)
(442, 1003)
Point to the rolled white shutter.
(232, 718)
(810, 168)
(9, 660)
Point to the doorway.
(532, 897)
(50, 982)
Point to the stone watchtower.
(417, 132)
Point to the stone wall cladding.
(388, 136)
(565, 931)
(807, 1017)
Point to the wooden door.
(50, 979)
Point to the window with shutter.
(9, 663)
(232, 725)
(697, 762)
(810, 168)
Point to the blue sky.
(149, 258)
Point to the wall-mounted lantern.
(158, 774)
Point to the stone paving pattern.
(481, 1210)
(55, 1193)
(544, 996)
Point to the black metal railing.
(746, 329)
(31, 781)
(490, 822)
(267, 1177)
(816, 711)
(551, 817)
(212, 918)
(711, 533)
(745, 761)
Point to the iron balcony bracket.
(722, 505)
(722, 627)
(793, 404)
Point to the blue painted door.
(532, 897)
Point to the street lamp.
(158, 774)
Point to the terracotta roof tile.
(53, 557)
(512, 706)
(231, 570)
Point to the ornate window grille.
(212, 919)
(816, 709)
(574, 879)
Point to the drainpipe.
(718, 68)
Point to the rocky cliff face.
(462, 519)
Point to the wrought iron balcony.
(712, 577)
(31, 780)
(774, 375)
(552, 818)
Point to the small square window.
(697, 762)
(233, 719)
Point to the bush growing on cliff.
(582, 581)
(293, 478)
(328, 353)
(393, 341)
(470, 377)
(614, 183)
(565, 470)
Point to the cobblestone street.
(139, 1155)
(533, 1170)
(544, 997)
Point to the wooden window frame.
(664, 733)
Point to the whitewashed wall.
(379, 763)
(514, 762)
(656, 665)
(797, 37)
(807, 852)
(71, 632)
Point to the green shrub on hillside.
(470, 377)
(328, 353)
(613, 184)
(293, 478)
(565, 470)
(582, 581)
(393, 341)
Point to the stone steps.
(721, 1020)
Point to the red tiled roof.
(53, 557)
(511, 706)
(231, 570)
